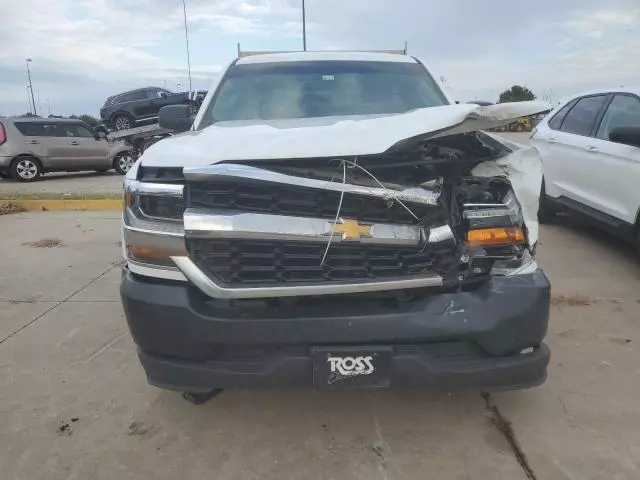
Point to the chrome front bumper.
(198, 224)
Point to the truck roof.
(326, 56)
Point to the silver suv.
(31, 147)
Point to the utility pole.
(29, 100)
(48, 106)
(33, 100)
(186, 36)
(304, 28)
(40, 102)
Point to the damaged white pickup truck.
(332, 221)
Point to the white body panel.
(594, 172)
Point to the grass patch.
(9, 196)
(572, 300)
(7, 208)
(45, 243)
(29, 299)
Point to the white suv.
(590, 147)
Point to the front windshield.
(269, 91)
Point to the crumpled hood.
(362, 135)
(328, 136)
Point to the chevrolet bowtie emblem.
(351, 229)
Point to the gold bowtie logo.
(351, 229)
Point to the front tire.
(123, 162)
(25, 169)
(122, 122)
(546, 212)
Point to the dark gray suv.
(125, 110)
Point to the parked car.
(331, 220)
(30, 147)
(128, 109)
(590, 147)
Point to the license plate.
(344, 367)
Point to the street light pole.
(186, 36)
(304, 28)
(33, 100)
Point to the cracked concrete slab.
(18, 313)
(104, 289)
(74, 402)
(89, 245)
(583, 423)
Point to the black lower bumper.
(487, 338)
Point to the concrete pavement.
(74, 402)
(59, 185)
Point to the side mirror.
(164, 94)
(100, 135)
(626, 136)
(175, 117)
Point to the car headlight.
(152, 228)
(495, 234)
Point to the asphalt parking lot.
(74, 402)
(77, 185)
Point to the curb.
(43, 205)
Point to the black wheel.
(122, 122)
(123, 162)
(546, 212)
(193, 108)
(25, 169)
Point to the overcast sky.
(86, 50)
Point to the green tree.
(516, 94)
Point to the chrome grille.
(241, 262)
(279, 199)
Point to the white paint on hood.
(362, 135)
(327, 136)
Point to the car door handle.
(33, 142)
(552, 139)
(74, 142)
(592, 149)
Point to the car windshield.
(269, 91)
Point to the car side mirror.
(175, 117)
(164, 94)
(100, 135)
(626, 136)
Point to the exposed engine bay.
(439, 172)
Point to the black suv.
(127, 109)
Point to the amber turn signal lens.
(128, 199)
(152, 254)
(495, 236)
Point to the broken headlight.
(493, 227)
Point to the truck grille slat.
(243, 262)
(278, 199)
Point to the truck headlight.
(152, 228)
(496, 237)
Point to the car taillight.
(3, 134)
